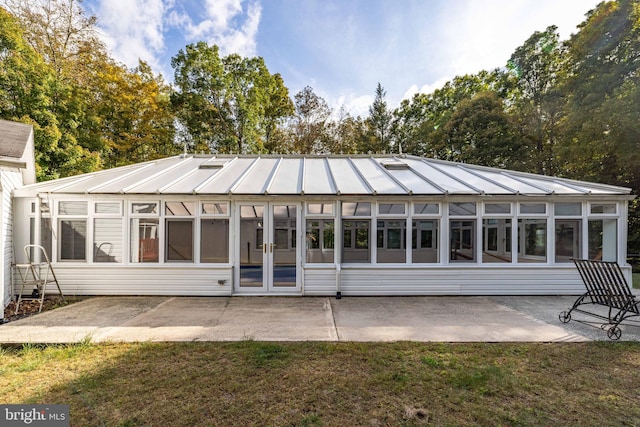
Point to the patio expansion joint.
(334, 334)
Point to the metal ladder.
(37, 274)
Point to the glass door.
(285, 244)
(253, 252)
(268, 246)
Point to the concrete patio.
(445, 319)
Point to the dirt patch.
(32, 307)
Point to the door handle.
(264, 248)
(271, 246)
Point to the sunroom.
(319, 225)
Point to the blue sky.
(341, 48)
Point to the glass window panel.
(603, 208)
(107, 240)
(73, 239)
(391, 209)
(144, 240)
(328, 235)
(460, 209)
(320, 244)
(214, 240)
(497, 208)
(179, 240)
(566, 209)
(533, 208)
(424, 241)
(426, 208)
(603, 239)
(496, 240)
(391, 241)
(356, 241)
(284, 211)
(313, 238)
(532, 240)
(45, 236)
(108, 207)
(568, 239)
(462, 241)
(356, 209)
(179, 208)
(256, 211)
(72, 208)
(144, 208)
(215, 208)
(320, 208)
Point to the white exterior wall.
(9, 180)
(143, 280)
(447, 280)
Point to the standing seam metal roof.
(314, 175)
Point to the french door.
(268, 248)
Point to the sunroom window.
(356, 232)
(462, 232)
(144, 232)
(72, 227)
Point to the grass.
(310, 384)
(636, 280)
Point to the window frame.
(65, 217)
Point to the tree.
(600, 128)
(28, 92)
(536, 66)
(59, 30)
(135, 120)
(418, 123)
(379, 123)
(309, 124)
(480, 132)
(226, 104)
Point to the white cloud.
(225, 24)
(354, 105)
(134, 29)
(426, 88)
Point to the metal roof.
(356, 175)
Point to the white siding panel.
(319, 281)
(120, 280)
(9, 180)
(453, 280)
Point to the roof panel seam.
(266, 189)
(531, 184)
(153, 176)
(472, 172)
(332, 180)
(573, 187)
(300, 185)
(428, 181)
(360, 176)
(113, 180)
(242, 177)
(393, 178)
(214, 176)
(455, 178)
(175, 181)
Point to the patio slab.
(443, 319)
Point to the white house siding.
(185, 280)
(320, 281)
(9, 180)
(453, 280)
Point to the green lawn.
(303, 384)
(636, 280)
